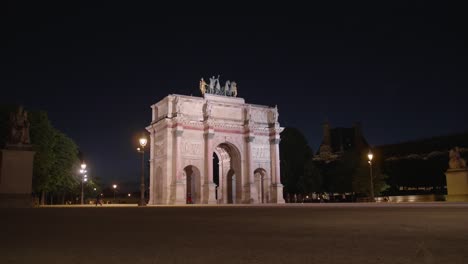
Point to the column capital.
(275, 141)
(209, 135)
(249, 138)
(178, 132)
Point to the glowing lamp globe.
(143, 141)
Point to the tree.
(311, 180)
(56, 157)
(361, 179)
(43, 140)
(65, 164)
(294, 154)
(339, 172)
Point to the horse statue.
(233, 90)
(227, 88)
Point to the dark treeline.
(411, 168)
(300, 174)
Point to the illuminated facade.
(189, 133)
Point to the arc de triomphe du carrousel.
(214, 149)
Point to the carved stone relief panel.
(160, 148)
(259, 115)
(262, 141)
(260, 152)
(162, 110)
(192, 148)
(228, 113)
(189, 108)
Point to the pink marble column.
(250, 189)
(209, 187)
(179, 181)
(277, 187)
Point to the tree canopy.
(298, 173)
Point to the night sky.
(96, 68)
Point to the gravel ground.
(309, 233)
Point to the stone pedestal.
(211, 189)
(457, 184)
(181, 197)
(16, 177)
(277, 194)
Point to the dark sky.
(96, 68)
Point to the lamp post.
(143, 142)
(83, 178)
(370, 156)
(114, 187)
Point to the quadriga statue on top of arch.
(214, 87)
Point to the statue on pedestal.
(212, 84)
(202, 86)
(207, 110)
(456, 162)
(19, 128)
(218, 86)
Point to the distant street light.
(143, 142)
(84, 178)
(370, 156)
(115, 187)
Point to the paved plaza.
(298, 233)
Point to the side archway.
(262, 182)
(192, 184)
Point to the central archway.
(228, 172)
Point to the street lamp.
(84, 177)
(370, 156)
(143, 142)
(115, 187)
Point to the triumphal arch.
(215, 149)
